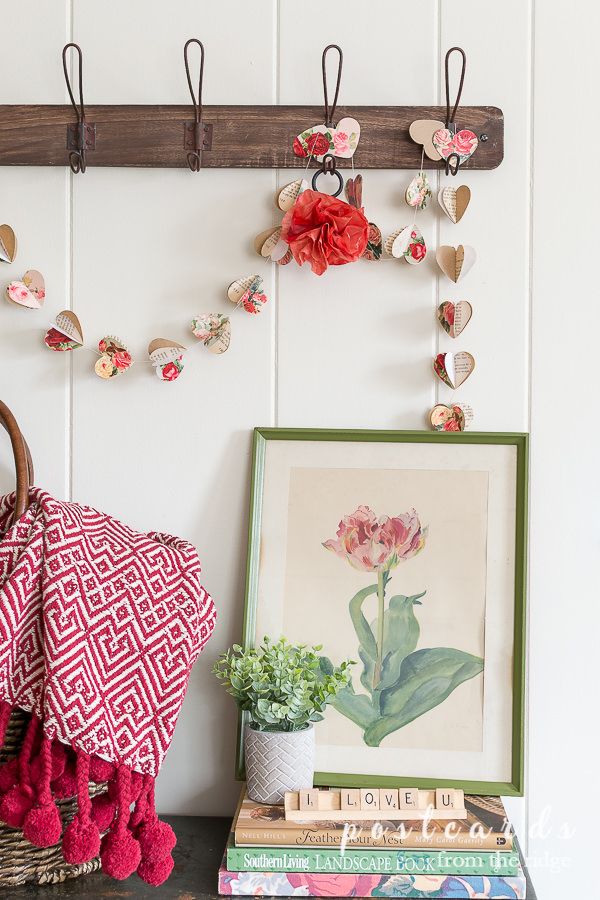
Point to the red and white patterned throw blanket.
(99, 629)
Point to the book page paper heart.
(455, 262)
(342, 140)
(247, 293)
(454, 201)
(115, 358)
(214, 330)
(454, 317)
(288, 195)
(450, 418)
(8, 244)
(66, 333)
(30, 292)
(463, 143)
(167, 358)
(422, 131)
(408, 243)
(453, 368)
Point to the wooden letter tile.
(388, 798)
(409, 798)
(350, 798)
(309, 799)
(369, 798)
(444, 798)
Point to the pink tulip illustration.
(402, 683)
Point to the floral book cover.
(485, 828)
(307, 884)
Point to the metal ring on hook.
(193, 157)
(328, 167)
(329, 113)
(77, 156)
(452, 169)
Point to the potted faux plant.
(283, 689)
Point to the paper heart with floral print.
(341, 140)
(464, 143)
(65, 334)
(167, 358)
(453, 368)
(407, 243)
(214, 330)
(450, 418)
(115, 358)
(30, 292)
(247, 293)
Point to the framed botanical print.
(404, 551)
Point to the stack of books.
(474, 857)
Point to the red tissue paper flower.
(324, 231)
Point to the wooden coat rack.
(246, 137)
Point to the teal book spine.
(382, 862)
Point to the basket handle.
(22, 457)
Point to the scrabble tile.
(444, 798)
(369, 798)
(409, 798)
(350, 798)
(309, 799)
(388, 798)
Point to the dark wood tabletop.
(200, 846)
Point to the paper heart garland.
(115, 359)
(167, 358)
(455, 262)
(450, 418)
(407, 243)
(30, 292)
(454, 317)
(246, 292)
(464, 143)
(8, 244)
(214, 330)
(65, 334)
(453, 368)
(454, 201)
(422, 131)
(288, 195)
(418, 191)
(342, 140)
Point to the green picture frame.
(262, 436)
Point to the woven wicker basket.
(20, 861)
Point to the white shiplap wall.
(139, 252)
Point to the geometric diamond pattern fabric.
(99, 628)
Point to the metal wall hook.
(197, 135)
(81, 136)
(329, 113)
(452, 169)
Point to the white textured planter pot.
(278, 761)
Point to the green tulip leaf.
(356, 707)
(366, 638)
(400, 636)
(426, 679)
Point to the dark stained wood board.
(248, 137)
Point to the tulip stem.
(381, 582)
